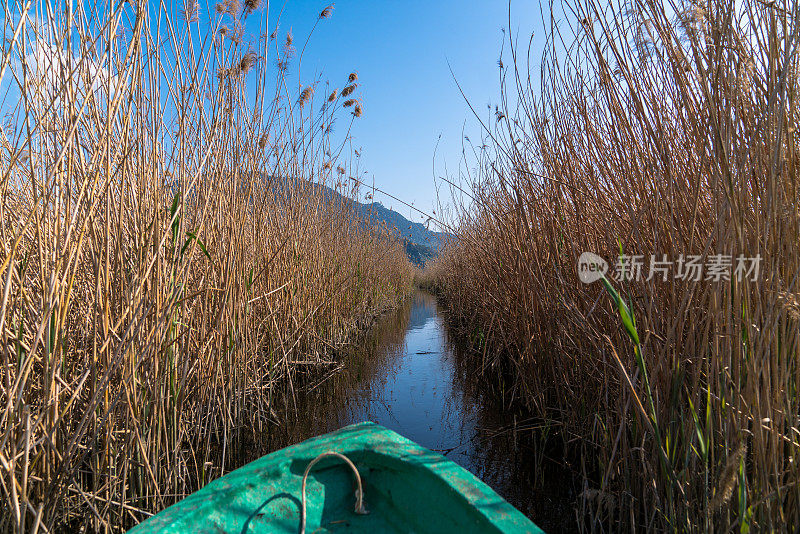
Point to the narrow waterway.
(407, 376)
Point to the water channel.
(408, 376)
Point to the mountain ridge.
(421, 243)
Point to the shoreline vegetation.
(657, 128)
(172, 268)
(160, 286)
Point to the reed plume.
(190, 11)
(288, 47)
(728, 477)
(305, 95)
(233, 7)
(348, 90)
(251, 5)
(327, 12)
(247, 62)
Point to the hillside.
(420, 242)
(415, 232)
(419, 254)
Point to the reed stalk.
(663, 128)
(169, 262)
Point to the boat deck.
(406, 489)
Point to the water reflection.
(408, 376)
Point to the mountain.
(419, 254)
(421, 243)
(414, 232)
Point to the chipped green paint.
(406, 489)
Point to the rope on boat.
(359, 508)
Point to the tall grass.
(658, 128)
(166, 267)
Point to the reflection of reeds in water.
(499, 445)
(518, 455)
(327, 398)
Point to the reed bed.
(665, 129)
(169, 265)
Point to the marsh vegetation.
(166, 270)
(665, 129)
(176, 288)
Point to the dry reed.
(167, 264)
(659, 128)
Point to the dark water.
(408, 376)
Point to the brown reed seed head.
(305, 95)
(347, 91)
(357, 112)
(332, 96)
(728, 477)
(236, 34)
(327, 12)
(251, 5)
(353, 77)
(232, 7)
(247, 62)
(191, 11)
(348, 103)
(790, 303)
(288, 48)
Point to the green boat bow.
(406, 488)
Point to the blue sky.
(401, 52)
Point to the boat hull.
(407, 488)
